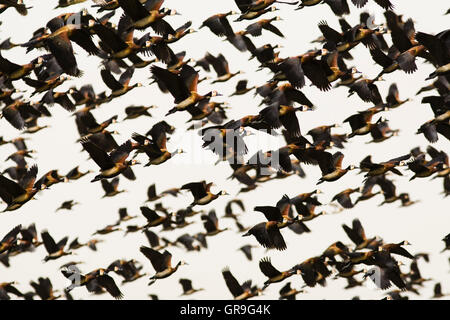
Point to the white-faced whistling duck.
(75, 244)
(367, 90)
(211, 223)
(357, 235)
(59, 44)
(44, 85)
(346, 270)
(17, 194)
(8, 287)
(155, 241)
(278, 213)
(201, 193)
(187, 287)
(339, 7)
(47, 180)
(322, 133)
(134, 112)
(29, 238)
(272, 273)
(393, 100)
(220, 65)
(153, 219)
(241, 88)
(239, 292)
(161, 262)
(110, 165)
(218, 24)
(366, 189)
(60, 98)
(107, 5)
(217, 139)
(151, 194)
(17, 112)
(268, 235)
(385, 4)
(344, 199)
(118, 48)
(111, 188)
(7, 44)
(383, 167)
(437, 291)
(396, 248)
(99, 276)
(123, 216)
(75, 174)
(283, 115)
(54, 250)
(108, 229)
(127, 269)
(12, 71)
(188, 242)
(44, 289)
(288, 293)
(18, 5)
(67, 3)
(182, 85)
(155, 149)
(144, 16)
(337, 248)
(119, 87)
(331, 166)
(313, 270)
(180, 32)
(388, 271)
(306, 210)
(229, 208)
(247, 250)
(380, 131)
(255, 29)
(441, 71)
(10, 239)
(250, 15)
(67, 205)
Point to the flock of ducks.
(394, 45)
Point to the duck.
(54, 250)
(268, 235)
(201, 192)
(187, 287)
(14, 194)
(211, 223)
(331, 166)
(9, 240)
(239, 292)
(357, 235)
(161, 262)
(110, 165)
(97, 276)
(221, 67)
(75, 174)
(144, 17)
(67, 205)
(390, 165)
(182, 85)
(273, 275)
(120, 87)
(111, 188)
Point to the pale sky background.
(423, 224)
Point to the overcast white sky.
(423, 224)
